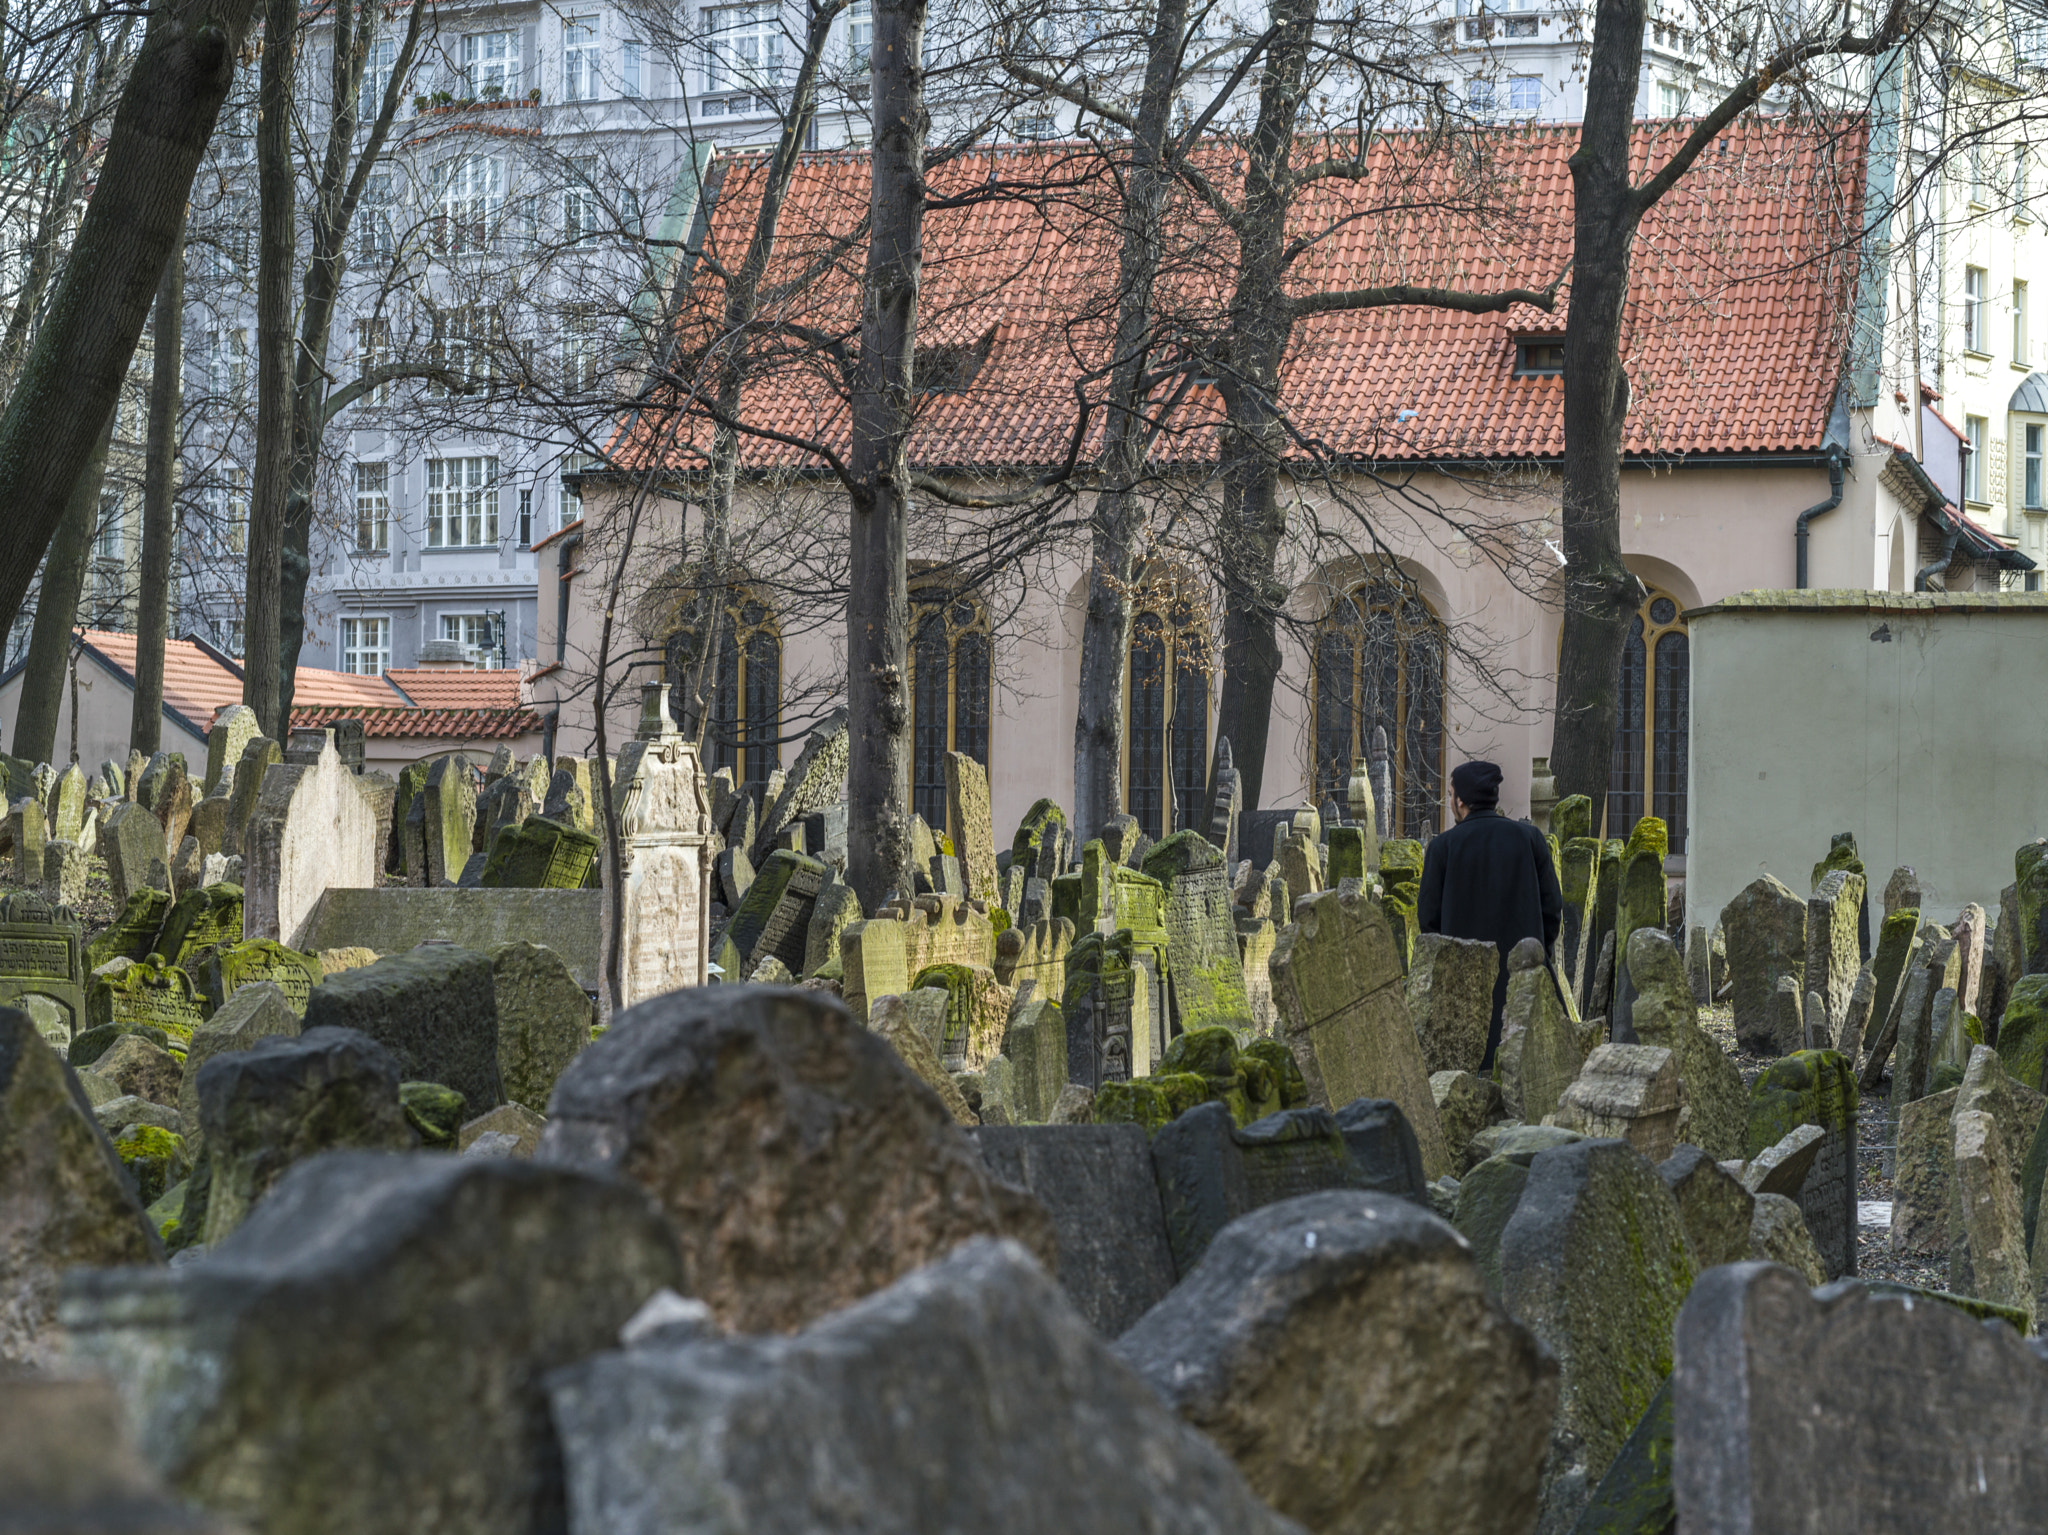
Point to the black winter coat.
(1491, 878)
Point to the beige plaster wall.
(1926, 744)
(106, 711)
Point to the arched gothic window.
(743, 693)
(949, 690)
(1650, 725)
(1379, 661)
(1166, 733)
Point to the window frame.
(2019, 323)
(469, 205)
(465, 497)
(1976, 301)
(1387, 597)
(1186, 646)
(1525, 350)
(582, 40)
(1647, 634)
(483, 72)
(1976, 480)
(373, 507)
(937, 603)
(756, 631)
(2031, 435)
(353, 647)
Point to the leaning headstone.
(433, 1008)
(539, 854)
(2023, 1031)
(284, 1098)
(64, 1198)
(254, 1012)
(199, 919)
(1766, 928)
(544, 1019)
(450, 817)
(311, 831)
(133, 846)
(1205, 977)
(1338, 981)
(133, 933)
(1226, 804)
(1850, 1410)
(363, 1422)
(914, 1024)
(233, 729)
(1579, 882)
(1987, 1234)
(1062, 1438)
(1539, 1053)
(833, 911)
(221, 972)
(2030, 870)
(967, 814)
(1716, 1208)
(1450, 998)
(1816, 1088)
(1925, 1148)
(1096, 1184)
(1833, 957)
(1902, 891)
(817, 779)
(1897, 940)
(147, 994)
(1665, 1014)
(1422, 1438)
(258, 757)
(65, 867)
(67, 804)
(1043, 846)
(801, 1162)
(412, 779)
(1607, 1323)
(1626, 1092)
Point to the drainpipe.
(1817, 509)
(565, 557)
(1948, 551)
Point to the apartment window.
(570, 505)
(581, 353)
(225, 360)
(1479, 97)
(373, 350)
(373, 506)
(365, 646)
(462, 502)
(949, 691)
(1975, 332)
(860, 32)
(378, 62)
(226, 501)
(462, 343)
(2029, 38)
(632, 68)
(112, 535)
(2031, 490)
(1525, 93)
(1672, 100)
(582, 212)
(2019, 324)
(472, 198)
(579, 58)
(1977, 430)
(2020, 210)
(1980, 178)
(526, 518)
(230, 637)
(374, 236)
(490, 65)
(470, 631)
(746, 47)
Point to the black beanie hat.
(1477, 784)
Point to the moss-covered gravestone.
(544, 1019)
(775, 917)
(1348, 853)
(147, 993)
(200, 919)
(42, 965)
(223, 971)
(1815, 1087)
(433, 1008)
(2030, 871)
(1044, 842)
(1110, 1035)
(977, 1013)
(1579, 880)
(1205, 976)
(1570, 818)
(1539, 1054)
(412, 778)
(1898, 937)
(1639, 903)
(539, 854)
(1450, 997)
(1766, 928)
(1666, 1015)
(259, 756)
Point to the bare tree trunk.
(159, 488)
(49, 645)
(275, 257)
(1118, 512)
(75, 367)
(878, 598)
(1600, 593)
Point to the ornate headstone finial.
(655, 720)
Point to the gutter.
(1818, 509)
(563, 561)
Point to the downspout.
(564, 558)
(1819, 508)
(1948, 551)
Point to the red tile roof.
(437, 724)
(199, 682)
(1734, 332)
(454, 687)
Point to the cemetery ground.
(1120, 1186)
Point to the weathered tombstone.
(1338, 981)
(2023, 1031)
(1833, 957)
(775, 918)
(698, 1096)
(1043, 846)
(1205, 976)
(1301, 864)
(1902, 891)
(199, 919)
(1346, 854)
(1607, 1323)
(1970, 935)
(1626, 1092)
(1256, 941)
(544, 1019)
(1897, 943)
(1579, 882)
(1397, 1432)
(187, 865)
(1925, 1142)
(1716, 1208)
(254, 1012)
(258, 757)
(967, 813)
(1226, 803)
(412, 780)
(352, 1425)
(539, 854)
(67, 804)
(42, 965)
(147, 994)
(1766, 928)
(132, 776)
(134, 849)
(133, 933)
(434, 1009)
(1850, 1409)
(1036, 1044)
(977, 1013)
(1818, 1088)
(65, 867)
(449, 818)
(1539, 1054)
(233, 729)
(209, 825)
(311, 831)
(1110, 1032)
(1666, 1015)
(833, 911)
(226, 970)
(1097, 1186)
(817, 779)
(2030, 870)
(1640, 903)
(1465, 1103)
(1987, 1233)
(1065, 1437)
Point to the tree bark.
(878, 600)
(1118, 511)
(49, 645)
(1261, 320)
(75, 367)
(275, 251)
(159, 488)
(1600, 594)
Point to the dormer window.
(1538, 356)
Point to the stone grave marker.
(1043, 846)
(254, 1012)
(259, 756)
(233, 729)
(1902, 891)
(149, 993)
(412, 780)
(1539, 1054)
(226, 970)
(1204, 974)
(65, 867)
(67, 805)
(1710, 1083)
(536, 853)
(311, 831)
(200, 919)
(977, 1013)
(967, 813)
(134, 850)
(1766, 928)
(133, 933)
(815, 780)
(42, 965)
(448, 815)
(835, 909)
(1833, 955)
(1626, 1092)
(1110, 1033)
(1987, 1255)
(775, 918)
(1716, 1208)
(1817, 1088)
(434, 1008)
(1226, 803)
(1450, 998)
(544, 1020)
(1925, 1148)
(1579, 881)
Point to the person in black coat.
(1490, 878)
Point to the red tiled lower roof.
(422, 724)
(457, 687)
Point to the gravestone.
(1036, 1043)
(1226, 803)
(399, 854)
(775, 918)
(1833, 958)
(223, 971)
(1626, 1092)
(1716, 1209)
(1346, 854)
(133, 846)
(1847, 1409)
(1766, 928)
(1969, 933)
(544, 1019)
(1425, 1407)
(1902, 891)
(1539, 1054)
(1606, 1318)
(1255, 944)
(233, 729)
(67, 805)
(1205, 976)
(1818, 1088)
(1105, 1005)
(42, 965)
(539, 854)
(977, 1013)
(874, 962)
(2030, 871)
(448, 815)
(147, 994)
(1579, 882)
(65, 869)
(359, 1424)
(2023, 1031)
(833, 911)
(254, 1012)
(1640, 903)
(200, 919)
(1665, 1014)
(817, 779)
(133, 933)
(1097, 1186)
(1301, 864)
(967, 813)
(65, 1200)
(433, 1008)
(801, 1163)
(209, 825)
(1922, 1163)
(259, 756)
(1843, 857)
(1337, 978)
(311, 831)
(1043, 846)
(735, 876)
(1987, 1256)
(1464, 1104)
(1064, 1438)
(1898, 941)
